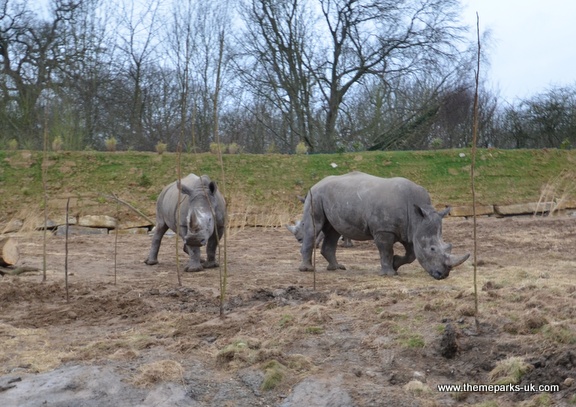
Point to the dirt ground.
(355, 339)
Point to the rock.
(524, 209)
(468, 211)
(61, 220)
(80, 230)
(317, 392)
(13, 226)
(132, 224)
(421, 377)
(133, 231)
(98, 221)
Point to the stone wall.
(103, 224)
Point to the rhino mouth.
(453, 261)
(196, 242)
(439, 275)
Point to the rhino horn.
(455, 261)
(291, 228)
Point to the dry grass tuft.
(417, 388)
(27, 349)
(558, 190)
(157, 372)
(540, 400)
(274, 373)
(509, 371)
(559, 333)
(240, 351)
(314, 314)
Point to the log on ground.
(8, 251)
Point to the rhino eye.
(432, 248)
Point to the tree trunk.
(8, 251)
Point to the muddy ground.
(356, 339)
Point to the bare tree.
(137, 43)
(332, 46)
(387, 38)
(278, 41)
(32, 55)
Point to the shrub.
(57, 144)
(233, 148)
(111, 143)
(13, 144)
(301, 148)
(272, 149)
(161, 147)
(436, 143)
(145, 181)
(216, 148)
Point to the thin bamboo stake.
(472, 173)
(313, 240)
(116, 244)
(178, 171)
(221, 248)
(45, 192)
(66, 250)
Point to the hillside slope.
(262, 189)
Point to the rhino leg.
(194, 263)
(152, 259)
(211, 250)
(329, 246)
(312, 231)
(306, 250)
(319, 239)
(385, 244)
(409, 257)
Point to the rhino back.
(359, 205)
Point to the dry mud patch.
(345, 338)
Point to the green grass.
(269, 183)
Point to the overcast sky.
(534, 43)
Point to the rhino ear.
(183, 188)
(424, 211)
(212, 187)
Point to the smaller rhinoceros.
(202, 219)
(296, 230)
(386, 210)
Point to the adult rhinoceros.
(388, 210)
(202, 219)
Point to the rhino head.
(296, 230)
(432, 253)
(201, 209)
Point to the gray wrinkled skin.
(386, 210)
(202, 219)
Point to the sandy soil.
(362, 339)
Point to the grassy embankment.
(261, 189)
